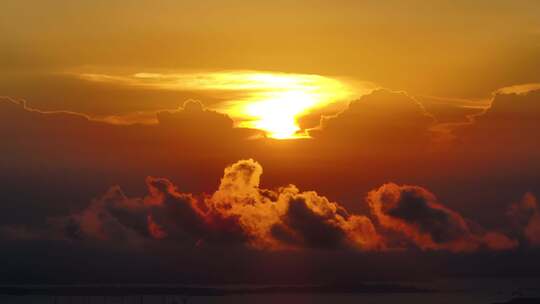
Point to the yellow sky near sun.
(272, 102)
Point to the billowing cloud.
(288, 217)
(194, 121)
(525, 214)
(73, 140)
(382, 117)
(415, 213)
(241, 212)
(511, 122)
(113, 216)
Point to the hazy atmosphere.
(270, 151)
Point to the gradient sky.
(341, 137)
(424, 47)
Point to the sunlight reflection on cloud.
(268, 101)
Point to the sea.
(453, 291)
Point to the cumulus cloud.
(113, 216)
(525, 215)
(193, 119)
(382, 117)
(288, 217)
(238, 212)
(241, 212)
(415, 213)
(68, 142)
(513, 116)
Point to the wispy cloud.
(519, 89)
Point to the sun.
(278, 100)
(277, 114)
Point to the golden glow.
(268, 101)
(277, 112)
(280, 99)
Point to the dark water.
(462, 291)
(440, 298)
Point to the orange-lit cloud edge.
(241, 212)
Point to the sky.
(213, 142)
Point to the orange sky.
(348, 126)
(457, 49)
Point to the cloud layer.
(201, 141)
(286, 218)
(415, 213)
(525, 215)
(382, 118)
(514, 116)
(238, 212)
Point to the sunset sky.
(164, 141)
